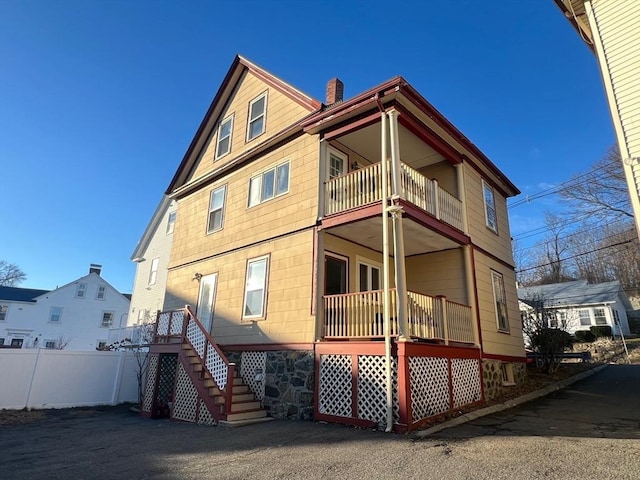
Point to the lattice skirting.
(252, 370)
(334, 396)
(465, 376)
(187, 406)
(150, 386)
(429, 379)
(372, 389)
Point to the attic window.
(100, 292)
(171, 223)
(224, 137)
(81, 290)
(257, 113)
(490, 207)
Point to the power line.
(580, 232)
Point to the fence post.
(33, 382)
(118, 380)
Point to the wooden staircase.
(244, 408)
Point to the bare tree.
(551, 251)
(10, 274)
(61, 342)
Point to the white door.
(206, 300)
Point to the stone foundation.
(492, 377)
(289, 377)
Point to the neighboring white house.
(76, 316)
(152, 257)
(579, 305)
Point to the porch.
(359, 316)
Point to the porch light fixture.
(197, 276)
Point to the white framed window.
(507, 374)
(269, 184)
(337, 163)
(153, 273)
(223, 145)
(490, 207)
(55, 314)
(368, 276)
(600, 316)
(216, 209)
(171, 222)
(17, 342)
(4, 309)
(255, 288)
(81, 290)
(257, 115)
(585, 317)
(100, 292)
(142, 315)
(207, 300)
(50, 344)
(107, 319)
(500, 300)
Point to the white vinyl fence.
(43, 378)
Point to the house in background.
(279, 247)
(151, 256)
(610, 29)
(76, 316)
(579, 305)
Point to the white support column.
(322, 178)
(462, 196)
(470, 287)
(398, 233)
(320, 315)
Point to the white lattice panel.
(176, 323)
(372, 389)
(216, 366)
(186, 397)
(204, 416)
(465, 375)
(429, 379)
(152, 372)
(196, 337)
(163, 323)
(252, 363)
(334, 396)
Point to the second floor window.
(100, 292)
(256, 121)
(55, 314)
(490, 207)
(107, 319)
(171, 223)
(269, 184)
(224, 137)
(216, 209)
(255, 287)
(500, 302)
(153, 273)
(3, 312)
(81, 290)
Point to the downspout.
(385, 268)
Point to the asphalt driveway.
(591, 431)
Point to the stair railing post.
(185, 322)
(155, 329)
(228, 388)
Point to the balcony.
(364, 187)
(360, 315)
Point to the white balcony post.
(322, 179)
(470, 287)
(436, 199)
(445, 320)
(462, 197)
(398, 233)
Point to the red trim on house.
(493, 257)
(354, 385)
(450, 382)
(475, 294)
(432, 223)
(418, 349)
(350, 348)
(404, 388)
(157, 348)
(504, 358)
(352, 126)
(283, 87)
(354, 215)
(258, 347)
(428, 136)
(356, 422)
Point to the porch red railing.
(360, 315)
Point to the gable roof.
(575, 293)
(17, 294)
(151, 228)
(238, 67)
(81, 279)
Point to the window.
(369, 277)
(255, 287)
(100, 292)
(17, 342)
(81, 290)
(600, 316)
(50, 344)
(55, 314)
(337, 163)
(216, 209)
(269, 184)
(585, 318)
(153, 273)
(500, 301)
(507, 374)
(257, 111)
(1, 341)
(3, 312)
(107, 319)
(224, 137)
(171, 223)
(489, 207)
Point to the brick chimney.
(95, 268)
(335, 90)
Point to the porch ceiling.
(417, 238)
(413, 151)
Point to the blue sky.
(100, 99)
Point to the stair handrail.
(230, 366)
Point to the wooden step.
(244, 406)
(197, 367)
(243, 397)
(214, 391)
(237, 389)
(194, 360)
(238, 380)
(251, 414)
(242, 423)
